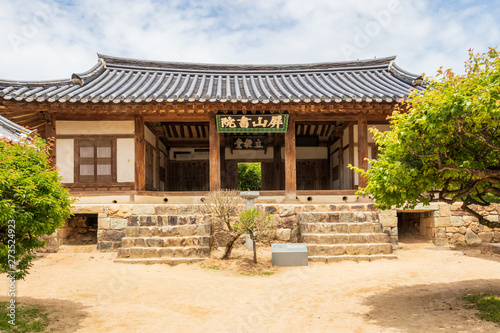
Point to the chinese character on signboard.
(266, 123)
(245, 143)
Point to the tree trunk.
(254, 252)
(229, 246)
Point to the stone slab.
(289, 254)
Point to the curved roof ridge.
(128, 62)
(92, 72)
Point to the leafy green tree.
(444, 145)
(259, 225)
(32, 203)
(249, 176)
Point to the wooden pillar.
(290, 160)
(157, 154)
(50, 136)
(362, 146)
(330, 169)
(351, 155)
(214, 142)
(140, 154)
(341, 162)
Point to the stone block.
(187, 209)
(497, 236)
(118, 223)
(493, 218)
(132, 232)
(474, 227)
(452, 229)
(444, 210)
(388, 212)
(486, 236)
(270, 209)
(456, 221)
(145, 232)
(202, 229)
(442, 222)
(166, 210)
(287, 210)
(440, 241)
(284, 234)
(143, 210)
(456, 206)
(289, 222)
(113, 235)
(471, 238)
(104, 223)
(440, 232)
(87, 209)
(389, 221)
(346, 217)
(104, 246)
(457, 239)
(120, 211)
(462, 230)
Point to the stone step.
(348, 249)
(163, 252)
(336, 217)
(164, 220)
(169, 231)
(167, 261)
(340, 228)
(165, 241)
(344, 238)
(329, 259)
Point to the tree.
(249, 176)
(259, 225)
(220, 206)
(32, 203)
(444, 145)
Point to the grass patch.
(488, 306)
(29, 318)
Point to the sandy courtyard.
(419, 292)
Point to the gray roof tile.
(119, 80)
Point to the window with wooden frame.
(95, 159)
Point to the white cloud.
(44, 39)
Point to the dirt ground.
(419, 292)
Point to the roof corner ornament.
(419, 81)
(391, 64)
(75, 79)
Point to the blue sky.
(44, 40)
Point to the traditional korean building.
(129, 125)
(140, 138)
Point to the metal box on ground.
(289, 254)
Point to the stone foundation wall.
(441, 223)
(465, 229)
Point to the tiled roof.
(11, 130)
(118, 80)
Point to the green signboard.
(264, 123)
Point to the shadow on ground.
(431, 307)
(64, 316)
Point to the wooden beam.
(290, 160)
(157, 169)
(140, 154)
(362, 147)
(214, 141)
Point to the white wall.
(125, 160)
(249, 154)
(78, 127)
(65, 159)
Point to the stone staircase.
(165, 239)
(344, 235)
